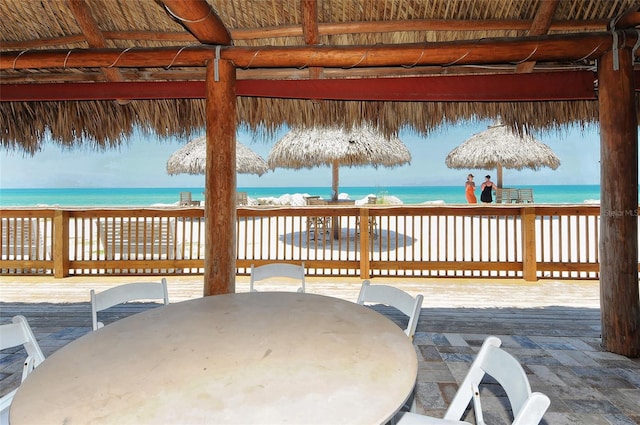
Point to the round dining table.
(242, 358)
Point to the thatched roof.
(147, 41)
(500, 147)
(336, 146)
(317, 146)
(192, 159)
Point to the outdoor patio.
(554, 332)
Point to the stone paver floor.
(552, 327)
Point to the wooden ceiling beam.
(309, 9)
(199, 18)
(195, 74)
(416, 25)
(570, 85)
(557, 48)
(540, 26)
(310, 22)
(92, 34)
(323, 29)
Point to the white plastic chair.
(268, 271)
(13, 335)
(528, 407)
(125, 293)
(395, 297)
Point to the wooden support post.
(529, 264)
(365, 233)
(60, 244)
(220, 180)
(619, 294)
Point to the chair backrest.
(395, 297)
(185, 199)
(506, 195)
(242, 198)
(527, 407)
(268, 271)
(13, 335)
(136, 291)
(316, 201)
(138, 238)
(525, 195)
(372, 199)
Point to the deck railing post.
(529, 265)
(61, 243)
(365, 255)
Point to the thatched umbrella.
(191, 159)
(336, 146)
(499, 146)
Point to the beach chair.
(506, 195)
(269, 271)
(12, 335)
(525, 196)
(527, 407)
(186, 201)
(138, 238)
(124, 293)
(317, 224)
(242, 198)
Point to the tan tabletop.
(249, 358)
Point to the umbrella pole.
(335, 220)
(499, 175)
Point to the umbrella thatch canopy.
(499, 146)
(336, 146)
(191, 159)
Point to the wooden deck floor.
(552, 327)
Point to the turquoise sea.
(105, 197)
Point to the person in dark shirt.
(486, 190)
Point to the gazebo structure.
(90, 71)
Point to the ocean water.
(116, 197)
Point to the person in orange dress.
(470, 190)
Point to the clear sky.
(141, 162)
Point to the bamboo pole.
(220, 180)
(619, 294)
